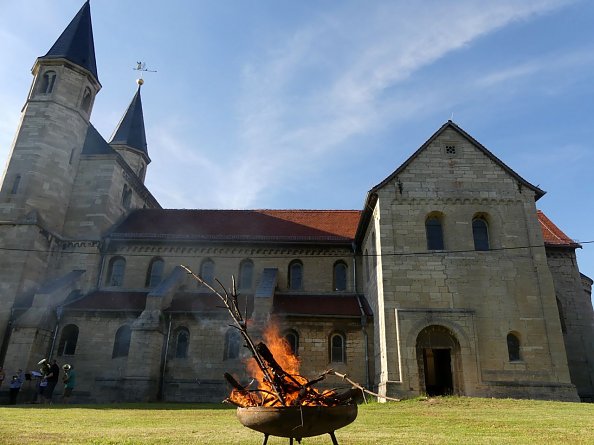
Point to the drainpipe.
(59, 311)
(363, 318)
(102, 250)
(4, 346)
(365, 339)
(162, 379)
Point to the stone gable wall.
(509, 289)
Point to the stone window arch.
(246, 274)
(182, 342)
(15, 185)
(480, 232)
(513, 347)
(115, 271)
(48, 80)
(207, 271)
(154, 273)
(86, 100)
(340, 273)
(296, 275)
(232, 341)
(68, 340)
(337, 347)
(434, 231)
(121, 344)
(292, 337)
(126, 196)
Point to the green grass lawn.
(450, 420)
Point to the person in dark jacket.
(52, 381)
(15, 386)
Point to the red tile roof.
(207, 302)
(267, 225)
(136, 301)
(320, 305)
(110, 301)
(278, 225)
(552, 235)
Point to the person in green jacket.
(69, 382)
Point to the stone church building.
(449, 281)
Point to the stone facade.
(478, 296)
(445, 283)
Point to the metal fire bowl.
(297, 421)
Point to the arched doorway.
(438, 357)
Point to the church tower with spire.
(129, 138)
(64, 186)
(38, 180)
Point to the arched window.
(67, 345)
(232, 341)
(246, 274)
(86, 101)
(154, 274)
(115, 272)
(513, 347)
(126, 196)
(182, 342)
(296, 275)
(292, 338)
(141, 173)
(47, 82)
(434, 233)
(121, 344)
(340, 276)
(480, 233)
(207, 271)
(15, 185)
(337, 348)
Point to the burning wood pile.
(275, 368)
(280, 384)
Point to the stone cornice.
(437, 200)
(239, 251)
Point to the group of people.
(47, 379)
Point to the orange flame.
(265, 395)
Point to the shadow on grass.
(130, 406)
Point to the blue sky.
(308, 104)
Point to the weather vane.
(141, 66)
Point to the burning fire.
(275, 367)
(279, 381)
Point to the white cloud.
(285, 134)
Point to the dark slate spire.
(76, 42)
(130, 130)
